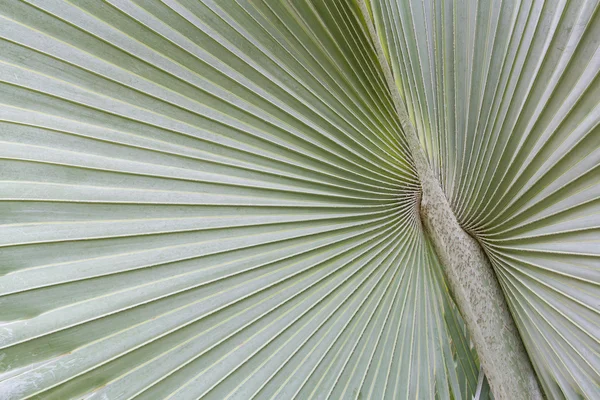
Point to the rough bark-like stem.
(467, 269)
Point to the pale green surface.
(505, 99)
(215, 198)
(211, 199)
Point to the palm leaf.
(504, 96)
(212, 199)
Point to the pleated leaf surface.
(214, 199)
(505, 99)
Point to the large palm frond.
(217, 199)
(504, 96)
(212, 199)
